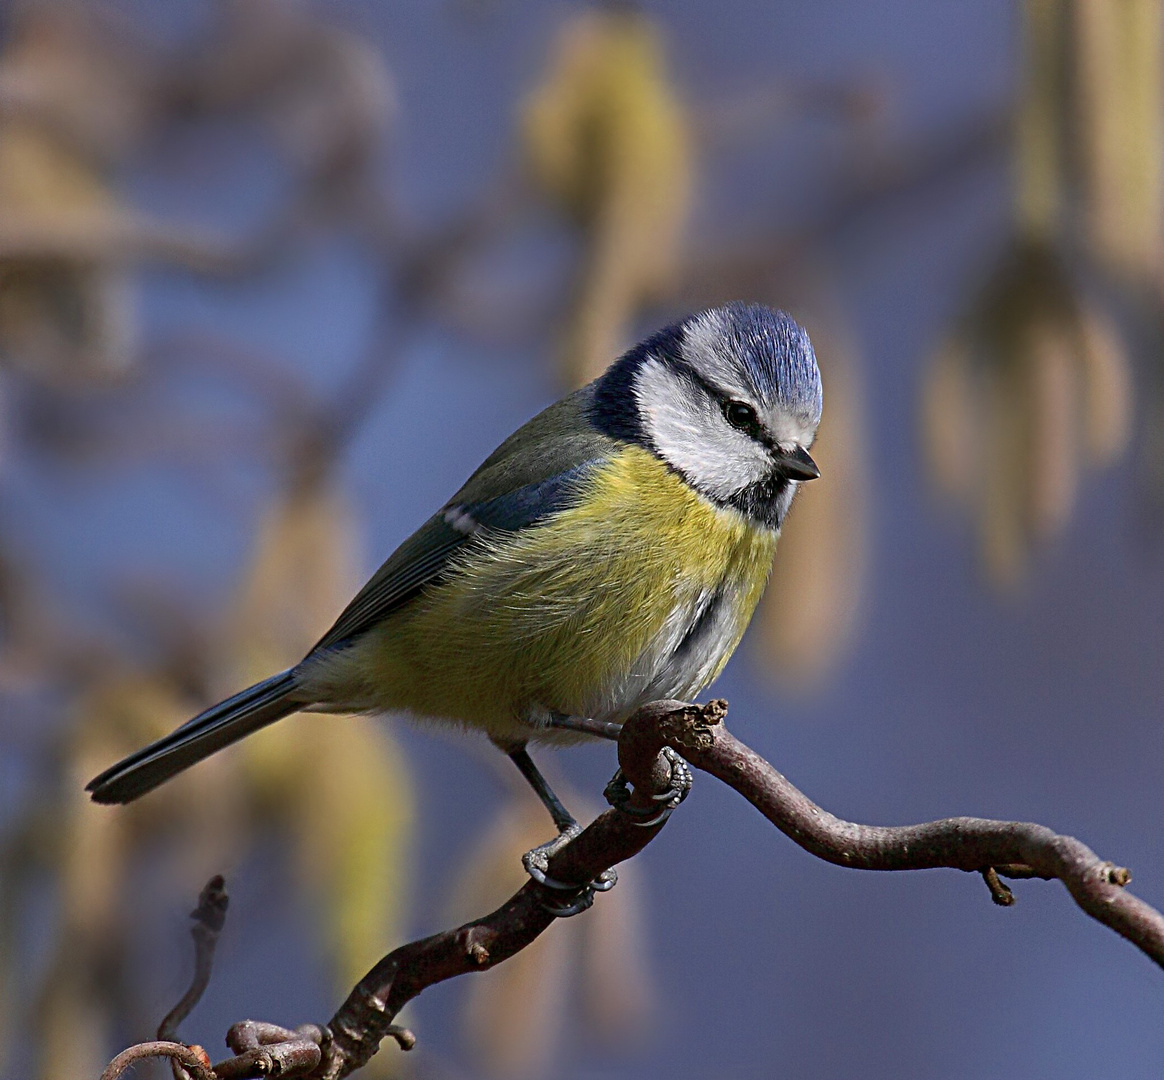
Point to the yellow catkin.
(351, 825)
(1119, 127)
(606, 139)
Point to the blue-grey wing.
(537, 472)
(416, 563)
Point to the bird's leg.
(537, 861)
(604, 729)
(617, 792)
(563, 819)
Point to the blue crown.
(774, 351)
(770, 349)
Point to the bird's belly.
(687, 653)
(641, 592)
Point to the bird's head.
(729, 398)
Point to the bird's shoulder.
(559, 440)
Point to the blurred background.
(276, 275)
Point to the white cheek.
(692, 435)
(789, 430)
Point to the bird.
(609, 553)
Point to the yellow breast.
(582, 613)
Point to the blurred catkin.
(73, 102)
(606, 138)
(64, 309)
(1118, 127)
(810, 608)
(78, 1001)
(338, 784)
(1033, 385)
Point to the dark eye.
(741, 415)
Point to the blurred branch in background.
(323, 96)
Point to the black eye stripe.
(713, 392)
(751, 427)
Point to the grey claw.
(618, 792)
(537, 862)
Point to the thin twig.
(263, 1049)
(999, 891)
(192, 1057)
(209, 918)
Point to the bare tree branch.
(881, 182)
(116, 238)
(979, 845)
(697, 733)
(192, 1057)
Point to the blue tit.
(609, 553)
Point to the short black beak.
(796, 464)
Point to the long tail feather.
(218, 726)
